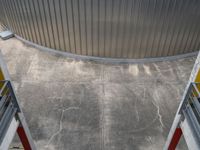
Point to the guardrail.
(8, 107)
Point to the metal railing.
(190, 109)
(8, 107)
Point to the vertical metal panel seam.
(23, 12)
(148, 51)
(45, 40)
(104, 39)
(51, 25)
(85, 21)
(195, 43)
(172, 28)
(197, 39)
(6, 17)
(130, 32)
(56, 23)
(37, 23)
(33, 23)
(111, 28)
(79, 24)
(180, 27)
(72, 7)
(184, 33)
(62, 24)
(190, 29)
(92, 27)
(187, 37)
(98, 28)
(45, 20)
(154, 33)
(172, 49)
(147, 33)
(22, 18)
(16, 17)
(12, 22)
(191, 46)
(142, 32)
(167, 29)
(160, 51)
(67, 20)
(134, 35)
(28, 24)
(179, 31)
(122, 48)
(115, 47)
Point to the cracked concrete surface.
(84, 105)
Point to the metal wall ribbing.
(107, 28)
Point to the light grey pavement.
(76, 105)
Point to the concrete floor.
(76, 105)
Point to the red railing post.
(175, 139)
(22, 135)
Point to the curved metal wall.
(107, 28)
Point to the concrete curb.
(107, 60)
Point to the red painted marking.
(23, 138)
(175, 139)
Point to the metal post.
(175, 139)
(24, 139)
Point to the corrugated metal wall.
(3, 21)
(107, 28)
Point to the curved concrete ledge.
(107, 60)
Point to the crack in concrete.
(60, 125)
(61, 118)
(137, 113)
(158, 112)
(144, 128)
